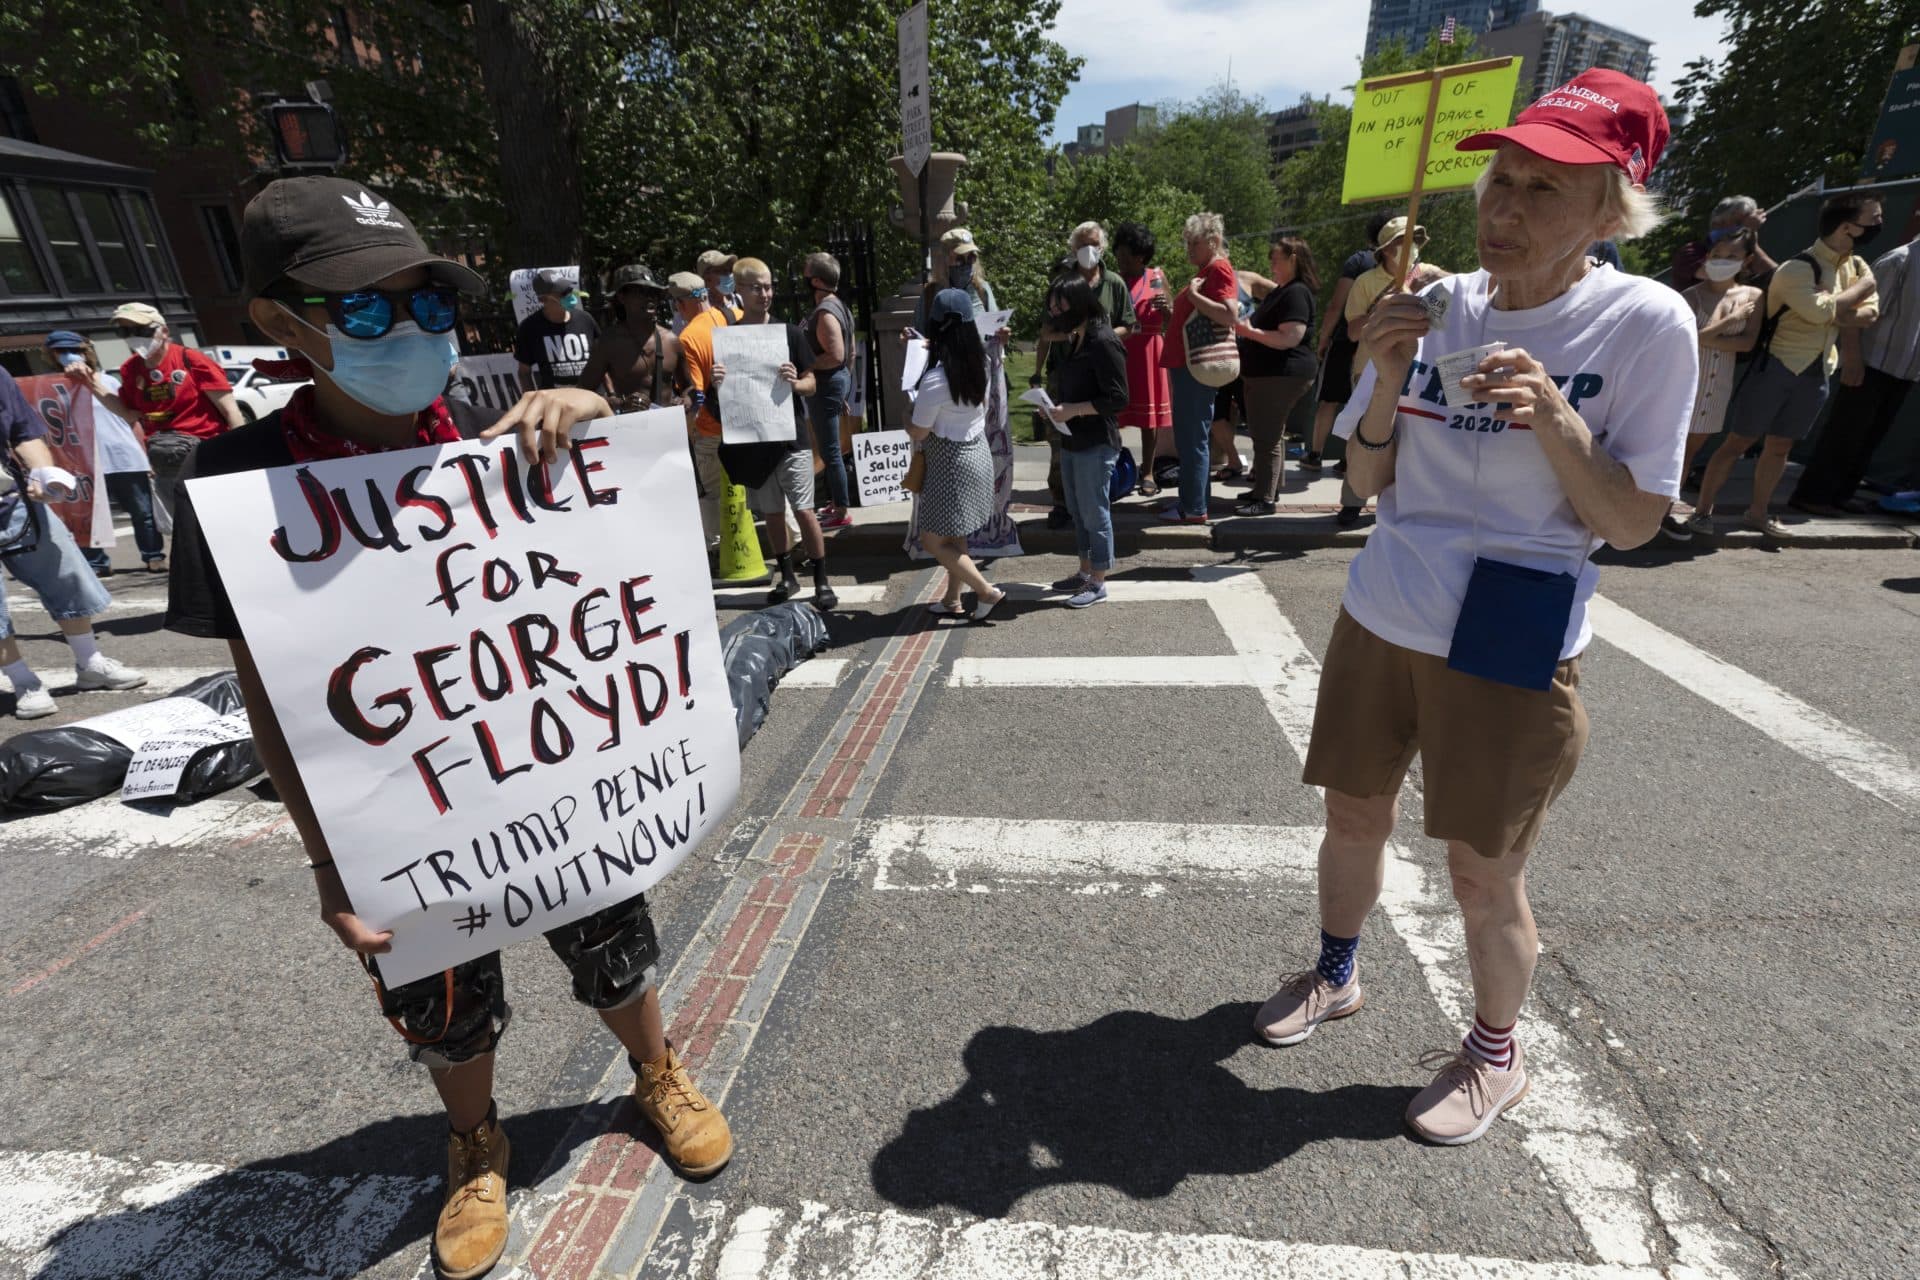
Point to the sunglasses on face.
(128, 331)
(372, 313)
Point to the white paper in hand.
(913, 363)
(1039, 399)
(991, 322)
(756, 403)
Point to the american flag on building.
(1446, 30)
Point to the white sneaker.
(31, 704)
(105, 673)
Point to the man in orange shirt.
(692, 303)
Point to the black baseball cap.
(334, 235)
(551, 282)
(635, 276)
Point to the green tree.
(1216, 147)
(1791, 99)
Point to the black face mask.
(960, 275)
(1866, 235)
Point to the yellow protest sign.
(1392, 149)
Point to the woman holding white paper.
(1464, 617)
(949, 425)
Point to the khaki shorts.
(1493, 756)
(791, 484)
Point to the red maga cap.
(1598, 117)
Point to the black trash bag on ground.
(44, 770)
(1166, 471)
(759, 648)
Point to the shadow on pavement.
(334, 1210)
(1905, 586)
(1135, 1101)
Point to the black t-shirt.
(197, 601)
(556, 352)
(751, 464)
(1291, 302)
(1358, 263)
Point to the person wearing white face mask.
(1729, 317)
(176, 395)
(1085, 249)
(345, 283)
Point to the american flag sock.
(1492, 1045)
(1336, 958)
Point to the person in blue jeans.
(829, 334)
(123, 459)
(36, 548)
(1088, 388)
(1212, 295)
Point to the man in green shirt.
(1086, 247)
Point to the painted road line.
(124, 605)
(997, 855)
(108, 828)
(766, 1243)
(815, 673)
(71, 1213)
(1873, 766)
(1070, 672)
(755, 597)
(600, 1212)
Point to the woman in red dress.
(1149, 406)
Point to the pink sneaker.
(1466, 1097)
(836, 518)
(1303, 1002)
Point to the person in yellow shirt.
(1813, 298)
(1390, 253)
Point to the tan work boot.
(697, 1139)
(472, 1231)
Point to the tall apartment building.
(1293, 129)
(1558, 47)
(1409, 21)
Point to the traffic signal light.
(306, 137)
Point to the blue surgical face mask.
(571, 302)
(400, 373)
(726, 283)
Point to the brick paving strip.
(598, 1212)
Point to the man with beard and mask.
(175, 394)
(640, 358)
(1086, 247)
(373, 311)
(1813, 298)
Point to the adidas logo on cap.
(369, 212)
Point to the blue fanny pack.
(1512, 624)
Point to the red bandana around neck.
(307, 441)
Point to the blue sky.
(1152, 50)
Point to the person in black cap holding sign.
(637, 355)
(341, 279)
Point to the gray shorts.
(791, 482)
(1770, 401)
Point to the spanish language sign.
(1390, 117)
(502, 684)
(880, 461)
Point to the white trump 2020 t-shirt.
(1622, 349)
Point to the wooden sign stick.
(1403, 280)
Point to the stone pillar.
(896, 312)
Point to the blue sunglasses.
(371, 313)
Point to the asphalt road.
(1003, 1030)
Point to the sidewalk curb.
(1314, 533)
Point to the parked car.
(258, 394)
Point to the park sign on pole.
(916, 119)
(1400, 143)
(502, 683)
(1894, 149)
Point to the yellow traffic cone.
(740, 558)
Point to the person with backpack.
(1089, 389)
(1811, 297)
(1728, 315)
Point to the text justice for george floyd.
(596, 621)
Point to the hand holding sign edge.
(545, 419)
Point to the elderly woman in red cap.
(1512, 421)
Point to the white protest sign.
(158, 764)
(134, 725)
(916, 119)
(525, 301)
(756, 403)
(880, 461)
(502, 684)
(990, 323)
(491, 380)
(913, 363)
